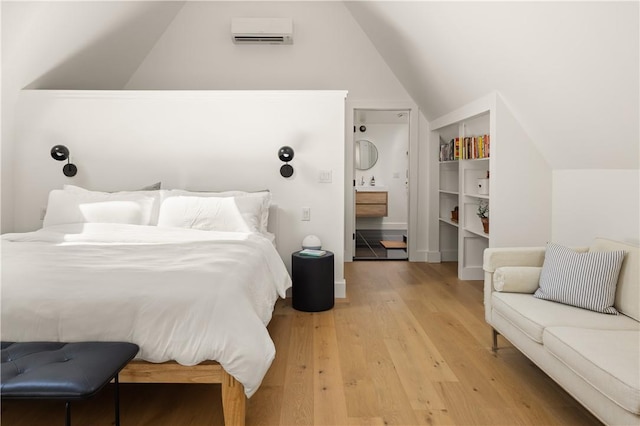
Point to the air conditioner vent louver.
(262, 30)
(259, 39)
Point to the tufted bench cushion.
(55, 370)
(61, 370)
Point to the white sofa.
(593, 356)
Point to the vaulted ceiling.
(570, 71)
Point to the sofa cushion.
(517, 279)
(586, 280)
(607, 359)
(627, 298)
(533, 315)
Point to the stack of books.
(468, 148)
(312, 253)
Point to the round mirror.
(366, 154)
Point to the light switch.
(306, 213)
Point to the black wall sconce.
(61, 153)
(286, 154)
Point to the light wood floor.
(408, 347)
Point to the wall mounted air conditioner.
(262, 30)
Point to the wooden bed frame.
(208, 372)
(234, 401)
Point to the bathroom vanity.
(371, 201)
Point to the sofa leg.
(494, 346)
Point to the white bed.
(186, 295)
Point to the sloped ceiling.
(79, 45)
(568, 70)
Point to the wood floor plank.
(417, 343)
(365, 421)
(329, 398)
(298, 388)
(352, 324)
(280, 330)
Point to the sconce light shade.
(286, 154)
(61, 153)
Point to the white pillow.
(155, 194)
(94, 207)
(263, 197)
(207, 213)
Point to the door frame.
(350, 216)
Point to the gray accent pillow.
(586, 280)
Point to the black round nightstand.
(313, 282)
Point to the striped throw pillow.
(586, 280)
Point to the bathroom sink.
(367, 188)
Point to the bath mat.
(393, 244)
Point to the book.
(312, 253)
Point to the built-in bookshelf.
(494, 162)
(464, 161)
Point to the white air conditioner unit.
(262, 30)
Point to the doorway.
(381, 142)
(381, 173)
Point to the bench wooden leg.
(494, 346)
(233, 400)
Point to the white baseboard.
(434, 256)
(418, 256)
(340, 289)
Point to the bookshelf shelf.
(448, 222)
(479, 233)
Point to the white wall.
(193, 140)
(329, 51)
(70, 45)
(158, 45)
(392, 143)
(521, 190)
(596, 203)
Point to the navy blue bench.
(65, 371)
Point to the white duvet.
(180, 294)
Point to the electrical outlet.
(306, 213)
(325, 176)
